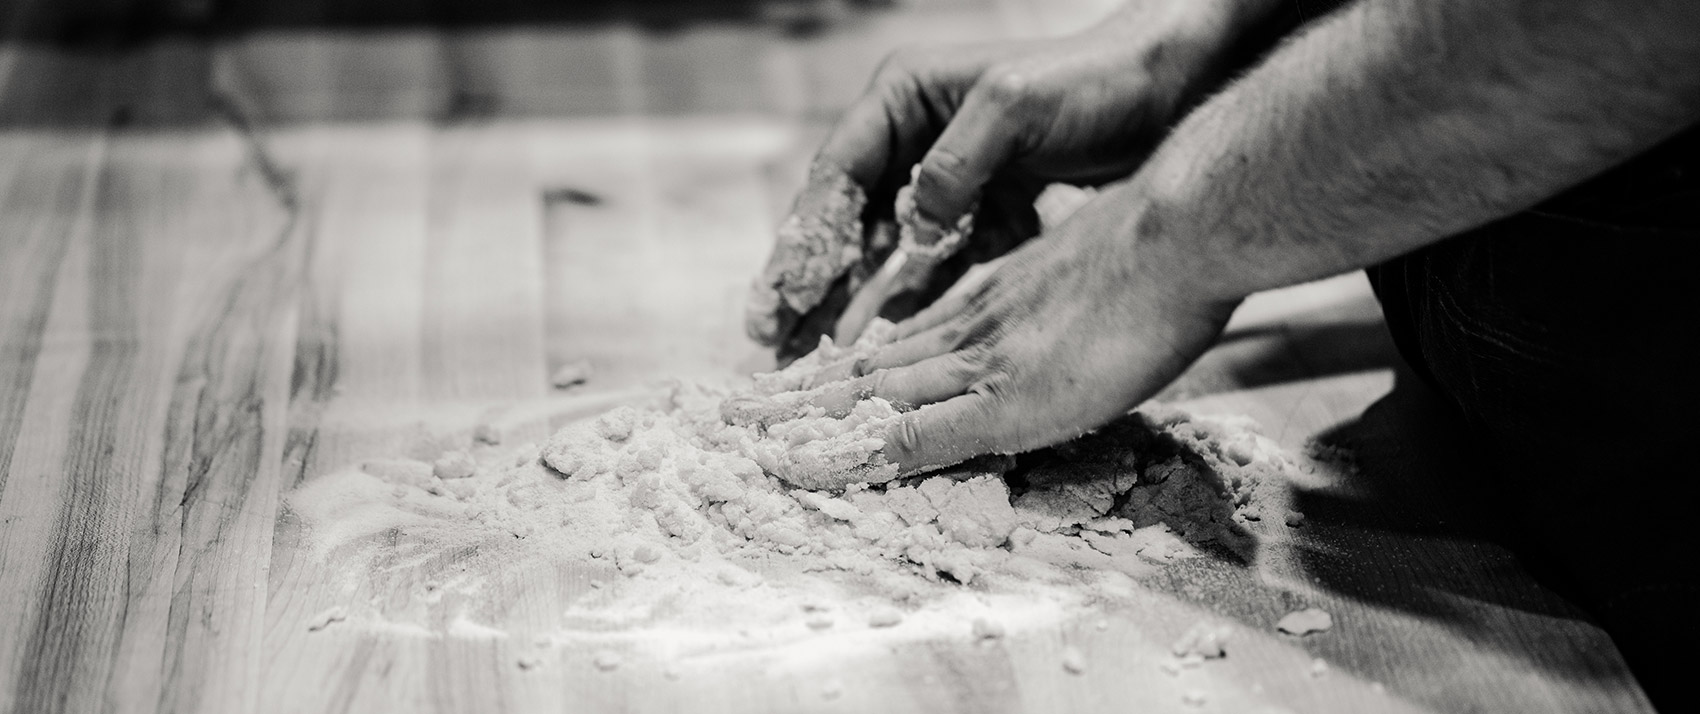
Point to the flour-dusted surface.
(695, 543)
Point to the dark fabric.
(1562, 337)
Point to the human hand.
(999, 121)
(1072, 331)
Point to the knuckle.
(905, 440)
(872, 385)
(1008, 87)
(996, 387)
(972, 365)
(941, 168)
(899, 66)
(859, 368)
(950, 335)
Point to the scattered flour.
(572, 374)
(1305, 621)
(1073, 660)
(1205, 639)
(671, 524)
(326, 618)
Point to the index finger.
(907, 105)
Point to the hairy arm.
(1395, 123)
(1386, 126)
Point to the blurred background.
(449, 60)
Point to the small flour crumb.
(1204, 639)
(832, 688)
(326, 618)
(1305, 621)
(454, 465)
(529, 662)
(572, 374)
(984, 629)
(607, 660)
(487, 433)
(1318, 668)
(885, 617)
(1194, 698)
(1073, 660)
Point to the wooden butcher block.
(194, 325)
(232, 265)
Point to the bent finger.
(944, 434)
(902, 353)
(978, 141)
(932, 380)
(952, 303)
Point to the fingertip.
(839, 372)
(942, 435)
(946, 185)
(838, 398)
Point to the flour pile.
(670, 517)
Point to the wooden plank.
(145, 507)
(39, 435)
(435, 316)
(654, 229)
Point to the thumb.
(980, 140)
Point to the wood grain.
(232, 263)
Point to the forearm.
(1212, 34)
(1396, 123)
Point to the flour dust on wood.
(658, 532)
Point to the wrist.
(1152, 247)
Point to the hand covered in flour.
(1071, 331)
(991, 121)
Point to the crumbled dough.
(454, 465)
(1204, 639)
(986, 629)
(923, 237)
(886, 617)
(701, 513)
(607, 661)
(1073, 660)
(572, 374)
(326, 618)
(820, 241)
(1305, 621)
